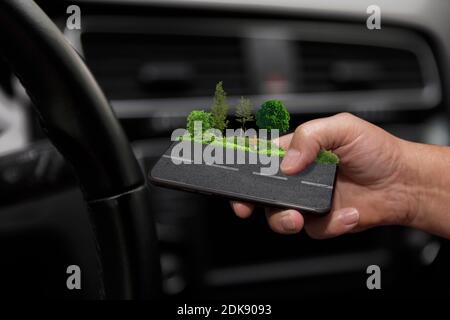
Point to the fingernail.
(287, 223)
(290, 159)
(349, 216)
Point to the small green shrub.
(199, 115)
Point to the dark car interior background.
(158, 60)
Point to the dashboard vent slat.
(145, 66)
(350, 67)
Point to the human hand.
(374, 181)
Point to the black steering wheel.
(77, 118)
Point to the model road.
(311, 190)
(259, 173)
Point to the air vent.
(140, 66)
(331, 67)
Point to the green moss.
(262, 146)
(327, 157)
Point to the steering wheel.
(77, 118)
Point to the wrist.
(412, 181)
(427, 182)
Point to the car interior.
(72, 192)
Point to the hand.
(373, 186)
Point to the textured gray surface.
(311, 190)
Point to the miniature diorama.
(271, 115)
(211, 157)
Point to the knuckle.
(345, 116)
(303, 131)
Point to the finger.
(312, 136)
(284, 221)
(334, 224)
(242, 209)
(283, 141)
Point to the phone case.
(310, 191)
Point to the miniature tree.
(273, 115)
(199, 115)
(219, 110)
(244, 112)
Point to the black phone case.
(310, 191)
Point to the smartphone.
(240, 177)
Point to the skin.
(382, 180)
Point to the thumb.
(312, 136)
(283, 141)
